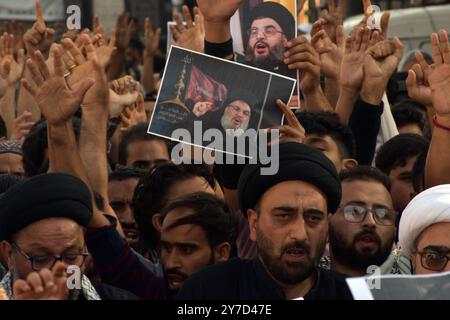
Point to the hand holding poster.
(226, 97)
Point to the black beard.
(274, 59)
(347, 254)
(291, 273)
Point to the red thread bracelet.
(438, 125)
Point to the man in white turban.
(424, 231)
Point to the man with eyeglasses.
(238, 112)
(362, 231)
(270, 27)
(42, 222)
(424, 231)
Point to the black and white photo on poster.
(230, 98)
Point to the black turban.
(297, 162)
(242, 95)
(52, 195)
(277, 12)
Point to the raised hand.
(352, 74)
(331, 54)
(43, 285)
(11, 69)
(16, 29)
(124, 92)
(218, 10)
(152, 39)
(22, 127)
(438, 75)
(123, 31)
(104, 50)
(418, 88)
(293, 131)
(333, 17)
(302, 56)
(191, 36)
(380, 64)
(55, 99)
(134, 114)
(39, 37)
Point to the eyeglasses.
(268, 31)
(357, 214)
(47, 262)
(433, 261)
(237, 109)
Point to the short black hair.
(212, 214)
(35, 145)
(151, 195)
(137, 44)
(365, 173)
(406, 112)
(418, 172)
(328, 123)
(122, 173)
(135, 133)
(396, 151)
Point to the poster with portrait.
(260, 31)
(200, 92)
(434, 286)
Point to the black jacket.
(240, 279)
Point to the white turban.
(427, 208)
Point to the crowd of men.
(83, 184)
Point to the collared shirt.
(119, 266)
(87, 291)
(248, 280)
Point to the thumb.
(84, 87)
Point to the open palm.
(56, 101)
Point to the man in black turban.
(270, 27)
(288, 218)
(42, 223)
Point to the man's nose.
(173, 260)
(298, 230)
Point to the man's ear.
(349, 163)
(252, 217)
(285, 40)
(222, 252)
(156, 222)
(6, 253)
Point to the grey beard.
(238, 131)
(275, 57)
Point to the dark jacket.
(247, 280)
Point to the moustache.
(261, 42)
(176, 272)
(296, 245)
(372, 234)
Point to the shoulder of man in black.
(329, 286)
(107, 292)
(236, 279)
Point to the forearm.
(365, 123)
(217, 32)
(7, 109)
(116, 67)
(332, 91)
(345, 103)
(437, 170)
(26, 102)
(317, 102)
(63, 151)
(147, 80)
(93, 148)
